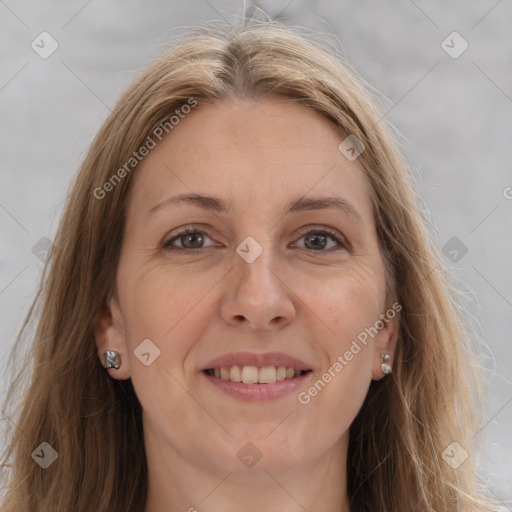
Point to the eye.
(317, 240)
(191, 240)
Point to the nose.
(257, 296)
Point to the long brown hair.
(93, 422)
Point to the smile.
(251, 376)
(255, 375)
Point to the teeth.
(267, 375)
(235, 374)
(255, 375)
(281, 373)
(250, 375)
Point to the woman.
(244, 306)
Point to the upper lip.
(258, 360)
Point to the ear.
(386, 340)
(110, 334)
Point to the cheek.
(167, 307)
(171, 308)
(160, 301)
(348, 304)
(349, 308)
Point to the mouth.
(254, 374)
(256, 377)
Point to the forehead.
(262, 153)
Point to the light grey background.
(454, 113)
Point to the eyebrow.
(216, 204)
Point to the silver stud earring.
(386, 368)
(112, 359)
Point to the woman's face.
(261, 283)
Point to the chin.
(265, 453)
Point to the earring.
(112, 359)
(386, 368)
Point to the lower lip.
(259, 392)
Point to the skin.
(308, 302)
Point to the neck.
(181, 484)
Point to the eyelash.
(167, 245)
